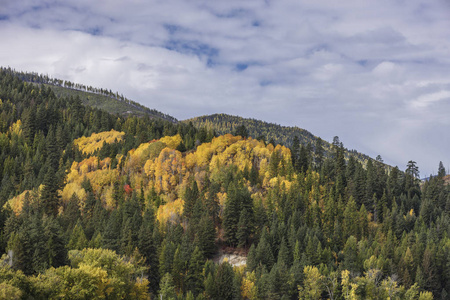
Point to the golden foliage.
(70, 189)
(145, 151)
(166, 170)
(101, 178)
(16, 128)
(172, 141)
(159, 164)
(88, 165)
(16, 203)
(98, 172)
(107, 197)
(248, 287)
(170, 211)
(89, 145)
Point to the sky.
(374, 73)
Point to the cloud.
(428, 99)
(376, 74)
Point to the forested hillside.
(95, 205)
(270, 132)
(100, 98)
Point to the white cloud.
(428, 99)
(384, 68)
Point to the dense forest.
(96, 205)
(272, 133)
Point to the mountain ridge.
(223, 123)
(111, 102)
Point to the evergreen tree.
(78, 240)
(244, 230)
(190, 197)
(284, 256)
(194, 278)
(148, 248)
(53, 154)
(224, 282)
(19, 251)
(319, 153)
(351, 255)
(49, 193)
(251, 259)
(231, 215)
(295, 152)
(303, 159)
(207, 236)
(242, 131)
(29, 124)
(441, 170)
(111, 236)
(167, 288)
(55, 244)
(166, 256)
(264, 254)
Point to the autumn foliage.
(89, 145)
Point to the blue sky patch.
(192, 47)
(171, 28)
(362, 62)
(241, 66)
(95, 30)
(265, 82)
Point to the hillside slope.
(223, 123)
(104, 99)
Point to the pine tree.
(242, 131)
(251, 259)
(303, 160)
(231, 215)
(351, 218)
(441, 170)
(351, 255)
(295, 152)
(319, 153)
(78, 240)
(207, 236)
(20, 251)
(166, 257)
(210, 286)
(53, 151)
(254, 175)
(111, 236)
(264, 254)
(49, 193)
(178, 270)
(148, 248)
(167, 288)
(224, 282)
(71, 213)
(127, 243)
(190, 197)
(194, 278)
(55, 244)
(29, 124)
(284, 256)
(243, 230)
